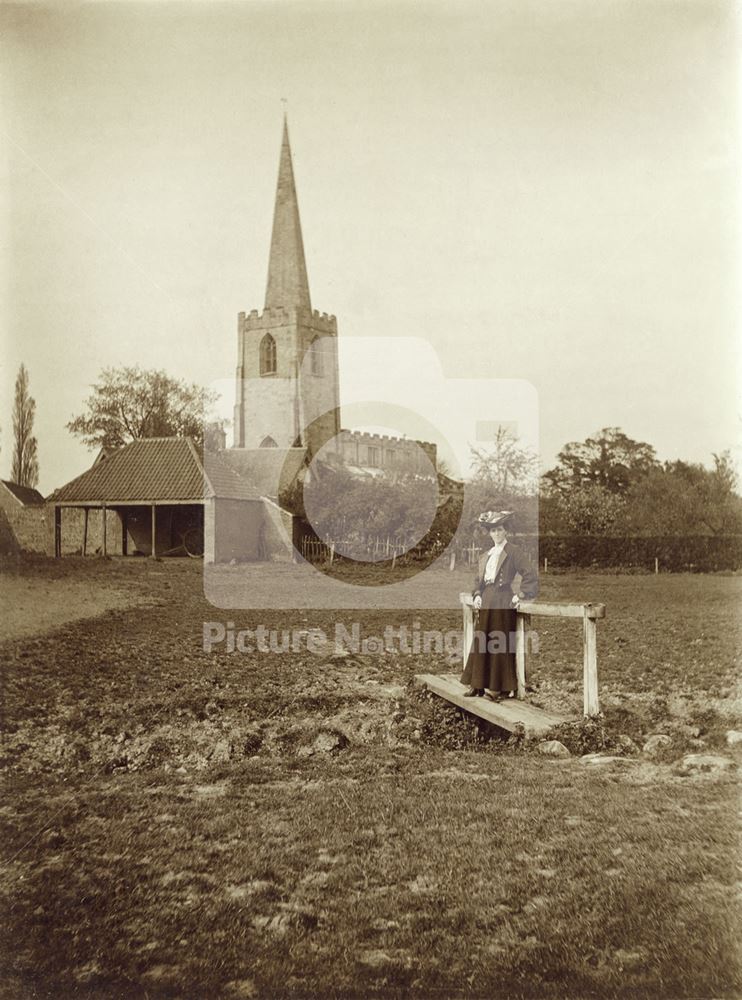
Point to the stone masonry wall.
(387, 452)
(270, 405)
(73, 529)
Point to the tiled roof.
(268, 469)
(154, 470)
(225, 482)
(25, 494)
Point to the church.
(287, 407)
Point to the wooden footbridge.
(513, 712)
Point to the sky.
(543, 192)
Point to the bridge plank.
(506, 714)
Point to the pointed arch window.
(267, 355)
(315, 356)
(268, 442)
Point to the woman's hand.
(516, 601)
(477, 602)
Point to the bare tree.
(25, 468)
(506, 466)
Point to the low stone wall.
(25, 528)
(171, 523)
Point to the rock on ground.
(655, 743)
(626, 744)
(326, 741)
(599, 758)
(553, 748)
(700, 763)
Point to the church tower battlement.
(287, 362)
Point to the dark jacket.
(513, 561)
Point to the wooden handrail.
(551, 609)
(589, 613)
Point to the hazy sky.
(543, 191)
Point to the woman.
(491, 660)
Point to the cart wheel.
(193, 542)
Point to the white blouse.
(490, 570)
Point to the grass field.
(179, 823)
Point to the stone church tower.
(287, 363)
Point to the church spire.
(287, 285)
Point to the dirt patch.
(33, 606)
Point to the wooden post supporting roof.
(154, 531)
(105, 519)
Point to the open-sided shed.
(154, 497)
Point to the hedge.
(675, 553)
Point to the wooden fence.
(374, 549)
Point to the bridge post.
(468, 627)
(521, 624)
(590, 663)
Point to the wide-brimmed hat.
(489, 519)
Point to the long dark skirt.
(491, 660)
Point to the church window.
(268, 442)
(267, 355)
(315, 357)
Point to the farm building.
(23, 524)
(155, 497)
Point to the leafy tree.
(686, 498)
(352, 508)
(677, 498)
(131, 403)
(585, 510)
(609, 459)
(25, 467)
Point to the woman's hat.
(493, 518)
